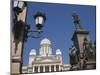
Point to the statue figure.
(94, 48)
(86, 48)
(73, 55)
(76, 21)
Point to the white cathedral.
(45, 61)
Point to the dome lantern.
(45, 41)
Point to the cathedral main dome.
(45, 41)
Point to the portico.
(47, 68)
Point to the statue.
(86, 48)
(73, 55)
(76, 21)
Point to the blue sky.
(58, 27)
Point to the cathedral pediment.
(46, 60)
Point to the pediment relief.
(46, 60)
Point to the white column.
(49, 68)
(33, 69)
(59, 67)
(46, 49)
(54, 67)
(43, 68)
(38, 68)
(43, 50)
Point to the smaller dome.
(58, 52)
(45, 41)
(33, 52)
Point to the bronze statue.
(76, 21)
(73, 55)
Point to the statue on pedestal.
(73, 55)
(88, 49)
(76, 21)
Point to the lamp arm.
(31, 33)
(36, 34)
(31, 30)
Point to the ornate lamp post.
(18, 6)
(21, 27)
(39, 20)
(21, 32)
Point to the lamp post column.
(17, 45)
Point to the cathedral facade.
(45, 61)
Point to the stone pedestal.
(15, 66)
(16, 58)
(78, 39)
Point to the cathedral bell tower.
(32, 56)
(59, 55)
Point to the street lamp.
(18, 6)
(21, 29)
(39, 20)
